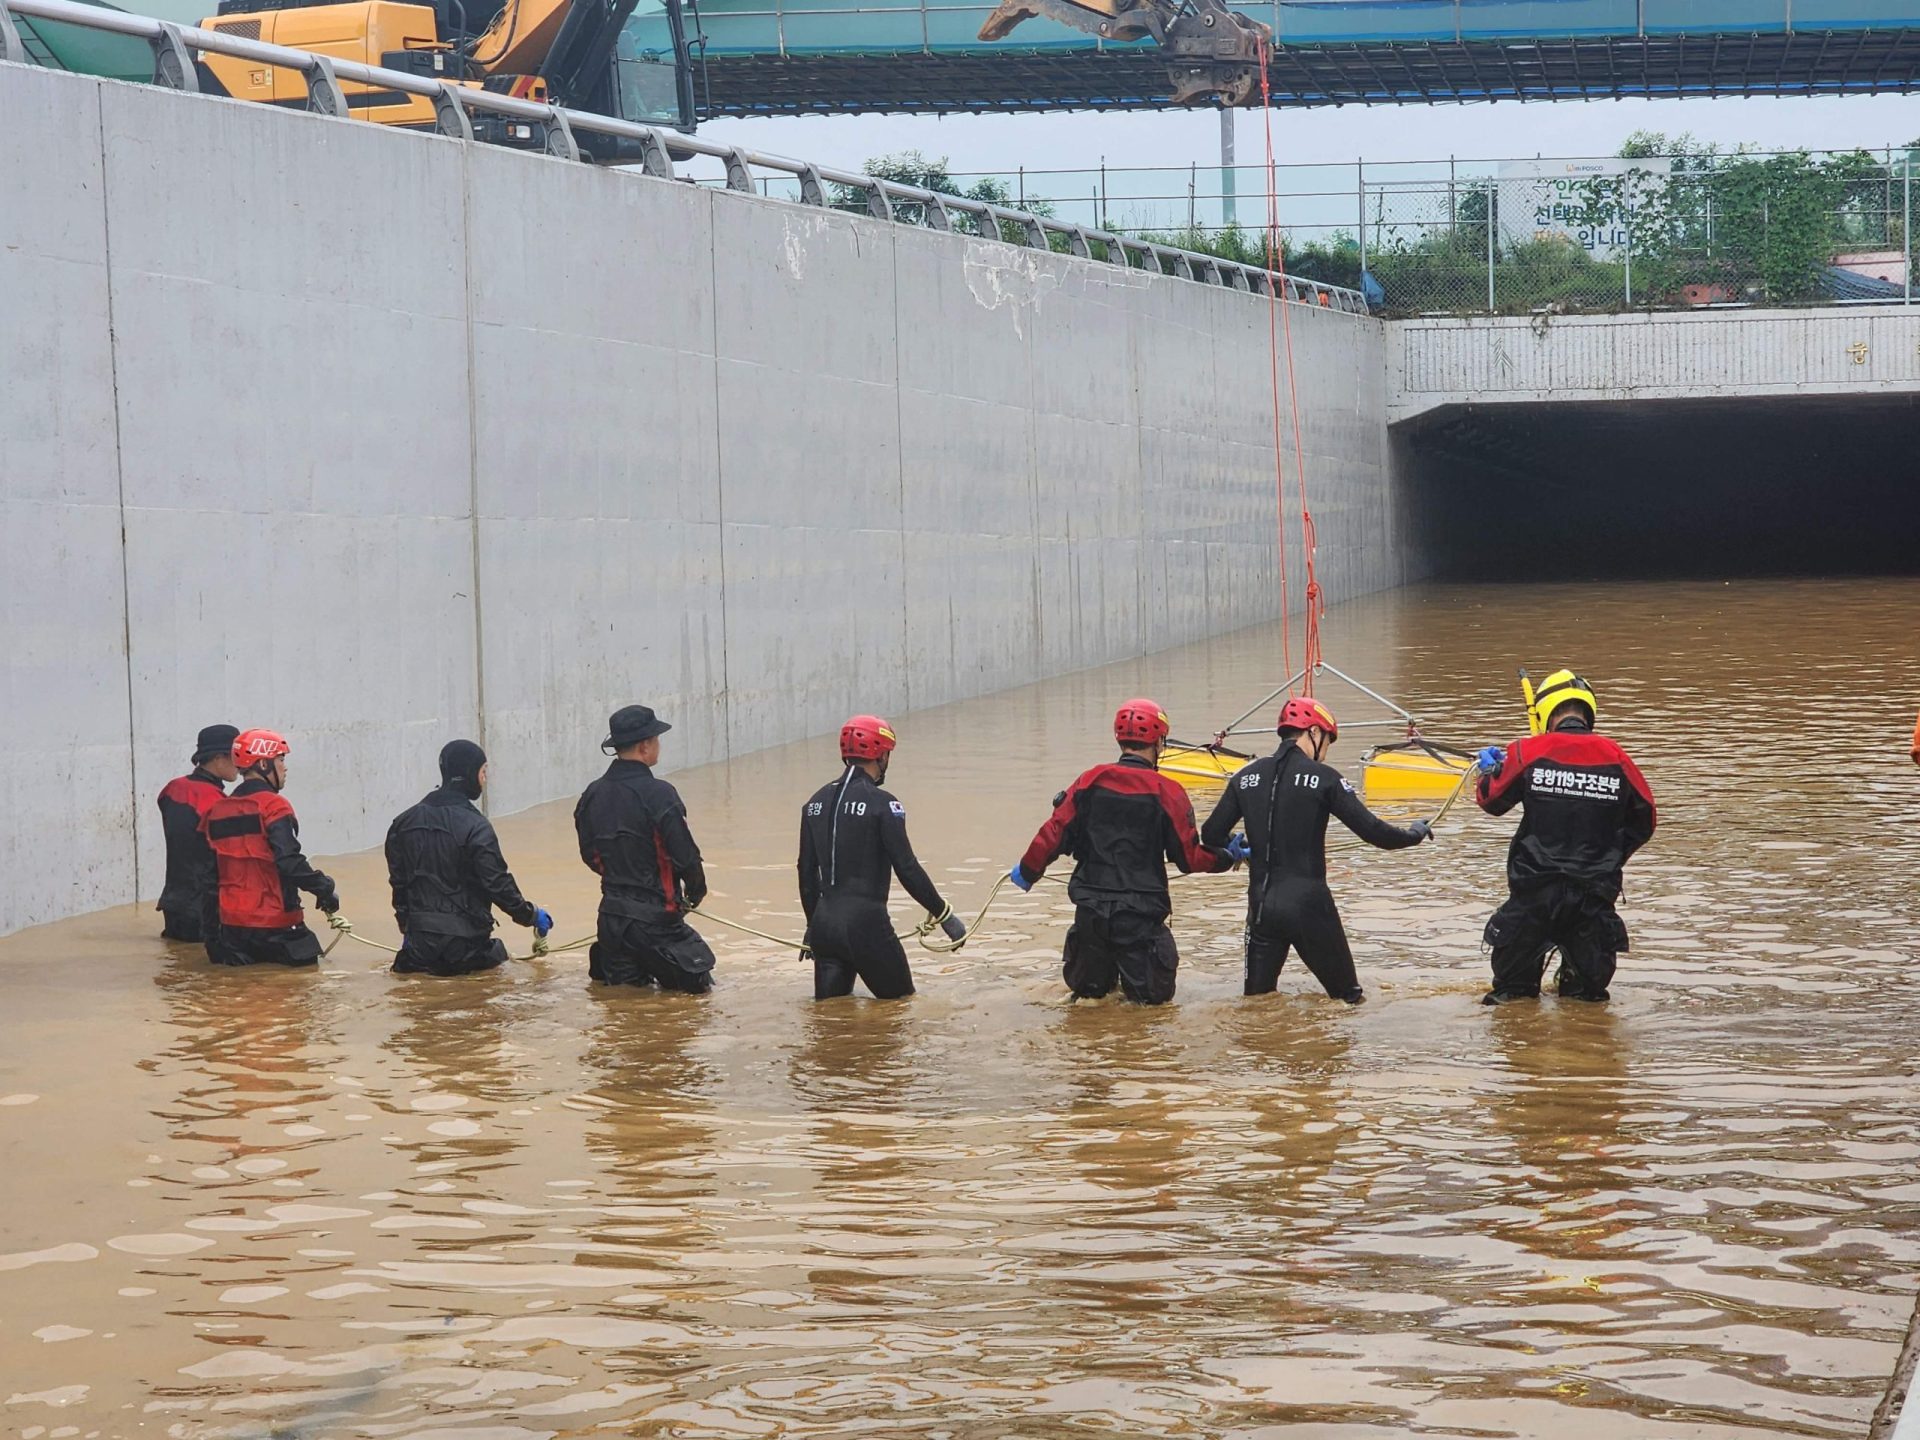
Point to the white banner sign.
(1545, 198)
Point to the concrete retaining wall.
(379, 439)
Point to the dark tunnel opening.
(1799, 485)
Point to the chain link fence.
(1518, 236)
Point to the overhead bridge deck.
(822, 57)
(845, 56)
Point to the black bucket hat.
(631, 724)
(214, 740)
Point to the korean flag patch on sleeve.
(897, 808)
(1347, 785)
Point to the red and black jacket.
(633, 832)
(1588, 808)
(1122, 823)
(191, 874)
(255, 841)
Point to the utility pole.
(1360, 195)
(1228, 200)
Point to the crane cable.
(1277, 303)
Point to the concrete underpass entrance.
(1699, 443)
(1814, 485)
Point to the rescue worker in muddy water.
(853, 842)
(1284, 800)
(633, 833)
(447, 873)
(255, 839)
(188, 900)
(1122, 822)
(1586, 810)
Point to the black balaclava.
(460, 762)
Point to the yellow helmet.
(1560, 688)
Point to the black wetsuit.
(1588, 808)
(1121, 823)
(447, 873)
(190, 898)
(853, 841)
(1285, 800)
(633, 831)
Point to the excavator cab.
(574, 53)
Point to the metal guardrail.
(558, 130)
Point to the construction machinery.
(562, 52)
(1214, 53)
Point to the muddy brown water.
(353, 1204)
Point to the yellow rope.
(541, 949)
(1468, 774)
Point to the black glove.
(953, 929)
(329, 903)
(1420, 830)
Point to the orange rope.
(1276, 258)
(1309, 544)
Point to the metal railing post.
(1906, 225)
(12, 47)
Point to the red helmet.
(865, 737)
(1306, 713)
(256, 747)
(1140, 722)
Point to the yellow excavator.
(1214, 53)
(557, 51)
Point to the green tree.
(923, 172)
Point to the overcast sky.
(1506, 129)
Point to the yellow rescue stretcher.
(1410, 770)
(1413, 769)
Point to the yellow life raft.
(1402, 770)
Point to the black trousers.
(854, 939)
(1299, 914)
(182, 925)
(422, 953)
(665, 951)
(243, 945)
(1126, 946)
(1575, 919)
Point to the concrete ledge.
(1682, 355)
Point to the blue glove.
(1491, 759)
(542, 922)
(1238, 850)
(1019, 879)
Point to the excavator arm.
(566, 43)
(1213, 52)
